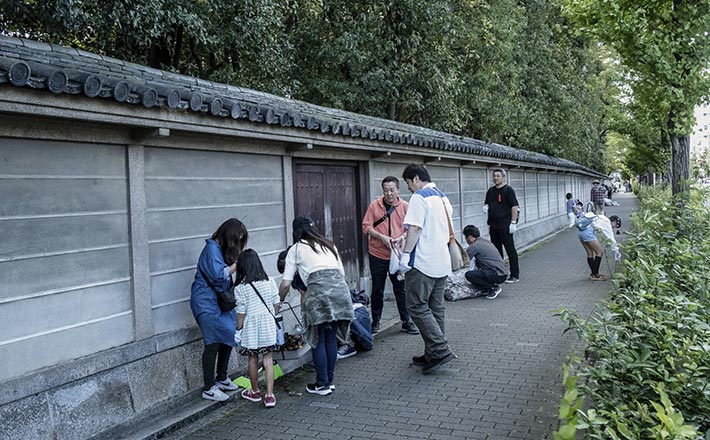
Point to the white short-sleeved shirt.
(426, 210)
(302, 258)
(259, 328)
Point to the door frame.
(361, 198)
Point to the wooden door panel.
(328, 193)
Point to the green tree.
(235, 42)
(665, 44)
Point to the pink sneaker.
(251, 395)
(270, 401)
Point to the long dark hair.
(250, 268)
(231, 236)
(304, 229)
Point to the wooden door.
(328, 194)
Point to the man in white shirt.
(427, 263)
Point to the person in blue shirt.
(217, 321)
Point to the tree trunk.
(680, 163)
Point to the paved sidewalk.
(505, 384)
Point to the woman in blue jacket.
(217, 263)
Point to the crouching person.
(359, 335)
(490, 270)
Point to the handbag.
(279, 319)
(225, 300)
(459, 257)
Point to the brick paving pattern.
(506, 382)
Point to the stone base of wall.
(109, 392)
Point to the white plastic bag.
(394, 260)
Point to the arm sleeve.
(416, 211)
(510, 195)
(290, 264)
(215, 269)
(274, 292)
(368, 220)
(241, 297)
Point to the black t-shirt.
(500, 201)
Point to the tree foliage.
(666, 45)
(506, 71)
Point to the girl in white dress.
(255, 318)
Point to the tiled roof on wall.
(59, 69)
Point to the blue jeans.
(325, 354)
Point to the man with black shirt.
(502, 208)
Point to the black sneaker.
(512, 280)
(409, 327)
(436, 363)
(375, 328)
(321, 390)
(493, 293)
(419, 361)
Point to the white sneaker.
(215, 393)
(226, 385)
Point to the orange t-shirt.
(392, 226)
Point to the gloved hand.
(617, 256)
(404, 262)
(512, 228)
(484, 208)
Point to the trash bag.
(458, 288)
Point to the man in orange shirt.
(384, 226)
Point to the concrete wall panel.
(32, 237)
(44, 275)
(62, 309)
(475, 183)
(543, 195)
(530, 205)
(64, 254)
(447, 180)
(188, 195)
(516, 179)
(25, 355)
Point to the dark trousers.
(503, 238)
(219, 353)
(379, 271)
(325, 354)
(484, 279)
(425, 302)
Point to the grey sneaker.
(409, 327)
(512, 280)
(493, 294)
(226, 385)
(215, 393)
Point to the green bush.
(646, 372)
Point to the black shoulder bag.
(225, 300)
(385, 217)
(279, 322)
